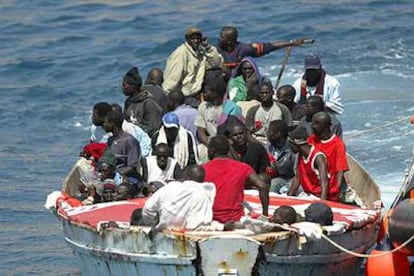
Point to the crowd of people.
(194, 136)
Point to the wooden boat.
(120, 249)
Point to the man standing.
(333, 148)
(316, 81)
(140, 108)
(186, 66)
(234, 51)
(230, 177)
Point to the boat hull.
(135, 252)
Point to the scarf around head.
(319, 87)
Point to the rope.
(375, 128)
(340, 247)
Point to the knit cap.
(133, 78)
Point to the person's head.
(132, 82)
(286, 94)
(297, 138)
(152, 187)
(155, 76)
(214, 86)
(106, 165)
(124, 191)
(247, 69)
(266, 94)
(313, 104)
(171, 125)
(321, 123)
(116, 107)
(218, 147)
(162, 151)
(319, 213)
(277, 131)
(193, 172)
(284, 214)
(313, 69)
(99, 112)
(136, 217)
(228, 38)
(238, 134)
(193, 36)
(174, 99)
(109, 190)
(113, 120)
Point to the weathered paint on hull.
(122, 252)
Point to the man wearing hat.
(312, 168)
(180, 140)
(186, 66)
(316, 81)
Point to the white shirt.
(331, 90)
(155, 173)
(181, 205)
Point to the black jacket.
(144, 111)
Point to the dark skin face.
(247, 70)
(284, 96)
(162, 157)
(318, 124)
(127, 89)
(272, 135)
(265, 95)
(122, 193)
(106, 171)
(171, 133)
(209, 95)
(238, 135)
(227, 41)
(310, 108)
(96, 119)
(312, 76)
(194, 41)
(108, 126)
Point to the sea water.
(58, 58)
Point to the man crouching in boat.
(230, 177)
(183, 205)
(312, 168)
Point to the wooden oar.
(285, 60)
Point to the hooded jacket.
(238, 90)
(185, 68)
(143, 110)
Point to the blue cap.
(312, 61)
(170, 120)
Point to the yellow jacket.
(185, 68)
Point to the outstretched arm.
(263, 188)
